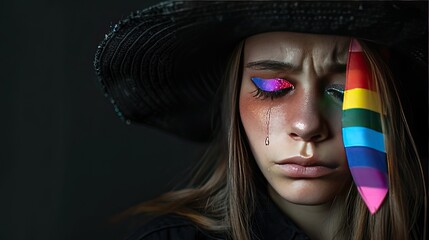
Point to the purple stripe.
(369, 177)
(366, 157)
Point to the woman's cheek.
(253, 114)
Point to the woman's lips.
(304, 168)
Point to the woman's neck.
(319, 222)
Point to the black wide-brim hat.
(162, 66)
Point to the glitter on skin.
(271, 85)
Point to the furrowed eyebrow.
(270, 65)
(283, 66)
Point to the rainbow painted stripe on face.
(362, 131)
(271, 85)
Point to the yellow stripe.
(361, 98)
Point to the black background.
(67, 163)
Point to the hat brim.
(162, 66)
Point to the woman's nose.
(306, 121)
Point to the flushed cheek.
(279, 120)
(254, 117)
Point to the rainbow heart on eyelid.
(271, 85)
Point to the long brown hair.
(222, 195)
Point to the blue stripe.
(366, 157)
(363, 137)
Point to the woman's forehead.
(294, 47)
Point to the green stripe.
(363, 118)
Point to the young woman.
(273, 86)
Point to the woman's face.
(291, 92)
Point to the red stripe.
(358, 74)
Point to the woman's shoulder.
(170, 226)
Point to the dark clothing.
(269, 223)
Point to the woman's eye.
(336, 91)
(272, 88)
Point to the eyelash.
(258, 93)
(337, 92)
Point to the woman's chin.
(306, 193)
